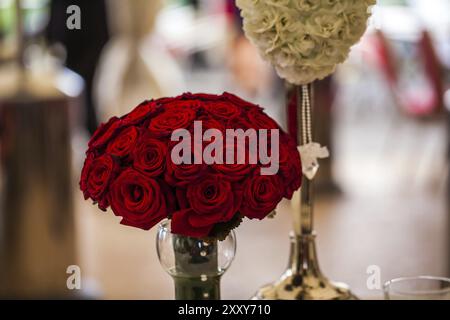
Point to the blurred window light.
(192, 31)
(403, 17)
(397, 22)
(405, 21)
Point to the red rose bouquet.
(130, 165)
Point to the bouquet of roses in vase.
(204, 163)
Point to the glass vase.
(417, 288)
(195, 265)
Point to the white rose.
(306, 5)
(262, 21)
(304, 45)
(284, 58)
(304, 39)
(339, 6)
(324, 23)
(248, 4)
(356, 24)
(278, 3)
(304, 74)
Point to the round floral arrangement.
(305, 39)
(130, 167)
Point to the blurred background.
(382, 196)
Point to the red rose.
(142, 112)
(260, 120)
(179, 100)
(213, 199)
(290, 167)
(129, 166)
(223, 110)
(261, 196)
(150, 156)
(181, 105)
(200, 96)
(166, 123)
(182, 174)
(124, 143)
(239, 123)
(139, 200)
(95, 178)
(239, 102)
(105, 132)
(235, 172)
(209, 123)
(184, 222)
(85, 172)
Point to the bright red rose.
(261, 196)
(209, 123)
(150, 156)
(124, 143)
(105, 132)
(223, 110)
(166, 123)
(85, 173)
(129, 167)
(239, 123)
(239, 102)
(200, 96)
(180, 100)
(180, 175)
(235, 171)
(139, 200)
(142, 112)
(260, 120)
(182, 105)
(185, 222)
(290, 167)
(214, 200)
(95, 178)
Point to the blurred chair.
(425, 98)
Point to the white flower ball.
(305, 39)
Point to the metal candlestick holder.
(303, 279)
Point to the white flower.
(305, 5)
(305, 39)
(324, 23)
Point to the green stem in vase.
(197, 276)
(197, 289)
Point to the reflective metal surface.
(303, 279)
